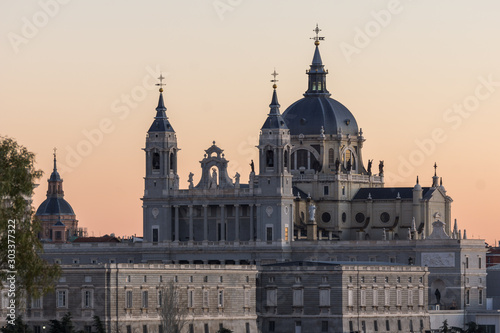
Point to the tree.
(173, 309)
(472, 327)
(224, 330)
(98, 325)
(63, 326)
(19, 326)
(19, 244)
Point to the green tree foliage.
(98, 325)
(224, 330)
(19, 326)
(63, 326)
(17, 181)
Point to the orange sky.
(422, 79)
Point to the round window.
(326, 217)
(344, 217)
(385, 217)
(360, 217)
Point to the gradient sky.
(421, 77)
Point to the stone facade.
(342, 297)
(127, 297)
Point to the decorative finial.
(435, 169)
(55, 151)
(417, 179)
(274, 80)
(317, 38)
(213, 142)
(55, 157)
(161, 84)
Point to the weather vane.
(161, 84)
(274, 80)
(317, 38)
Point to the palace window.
(156, 161)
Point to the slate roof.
(390, 193)
(161, 123)
(55, 206)
(333, 263)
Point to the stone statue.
(252, 166)
(337, 165)
(212, 182)
(176, 182)
(190, 180)
(438, 296)
(312, 212)
(381, 168)
(384, 234)
(237, 180)
(370, 167)
(349, 166)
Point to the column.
(222, 223)
(251, 221)
(258, 222)
(190, 223)
(169, 224)
(237, 223)
(176, 207)
(205, 222)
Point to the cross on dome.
(161, 84)
(274, 80)
(317, 38)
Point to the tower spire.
(274, 119)
(161, 123)
(317, 72)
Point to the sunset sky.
(421, 77)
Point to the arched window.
(156, 161)
(285, 159)
(269, 158)
(302, 158)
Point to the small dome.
(55, 206)
(309, 114)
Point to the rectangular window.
(37, 329)
(272, 326)
(350, 297)
(220, 298)
(247, 327)
(160, 298)
(190, 298)
(324, 326)
(145, 299)
(467, 262)
(298, 299)
(129, 329)
(375, 297)
(363, 297)
(325, 190)
(351, 326)
(205, 298)
(324, 297)
(399, 324)
(467, 297)
(421, 297)
(247, 298)
(129, 299)
(144, 328)
(411, 325)
(421, 324)
(269, 234)
(286, 234)
(191, 328)
(206, 328)
(387, 296)
(387, 326)
(479, 262)
(480, 296)
(36, 303)
(375, 326)
(410, 297)
(87, 298)
(87, 329)
(155, 235)
(363, 326)
(399, 297)
(62, 299)
(160, 328)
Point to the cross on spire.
(161, 84)
(435, 168)
(55, 151)
(317, 38)
(274, 80)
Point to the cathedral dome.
(55, 206)
(308, 115)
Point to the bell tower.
(275, 179)
(161, 170)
